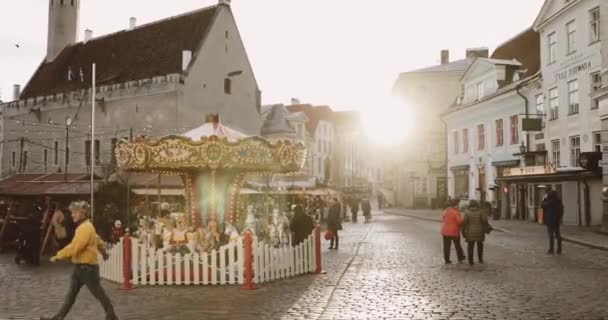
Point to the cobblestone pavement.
(390, 269)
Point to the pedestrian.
(354, 209)
(83, 251)
(33, 229)
(474, 228)
(117, 232)
(366, 207)
(301, 225)
(59, 228)
(553, 213)
(334, 223)
(450, 230)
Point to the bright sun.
(388, 123)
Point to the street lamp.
(68, 123)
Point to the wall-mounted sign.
(573, 70)
(526, 171)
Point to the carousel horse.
(280, 228)
(231, 232)
(250, 221)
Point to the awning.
(551, 177)
(507, 163)
(27, 185)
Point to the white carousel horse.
(280, 228)
(231, 232)
(250, 221)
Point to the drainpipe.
(519, 86)
(587, 203)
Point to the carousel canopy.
(211, 147)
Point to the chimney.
(186, 58)
(445, 56)
(132, 23)
(224, 2)
(473, 53)
(16, 92)
(88, 35)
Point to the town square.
(304, 159)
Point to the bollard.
(126, 262)
(248, 285)
(318, 248)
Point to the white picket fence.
(271, 263)
(223, 266)
(111, 269)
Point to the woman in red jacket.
(450, 231)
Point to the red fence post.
(126, 262)
(318, 248)
(248, 285)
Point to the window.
(227, 86)
(13, 159)
(56, 153)
(540, 104)
(597, 142)
(575, 150)
(552, 45)
(97, 152)
(554, 103)
(87, 152)
(573, 97)
(25, 158)
(479, 90)
(465, 140)
(113, 145)
(481, 137)
(571, 34)
(596, 81)
(555, 152)
(499, 133)
(594, 20)
(456, 142)
(514, 129)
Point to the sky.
(342, 53)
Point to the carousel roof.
(215, 129)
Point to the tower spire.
(63, 26)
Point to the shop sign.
(527, 171)
(572, 71)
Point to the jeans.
(336, 238)
(471, 248)
(447, 247)
(88, 275)
(554, 233)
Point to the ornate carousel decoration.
(213, 161)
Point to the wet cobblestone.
(390, 269)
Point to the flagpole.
(93, 94)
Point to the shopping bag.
(329, 235)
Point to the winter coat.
(553, 211)
(334, 222)
(366, 206)
(475, 225)
(451, 222)
(301, 226)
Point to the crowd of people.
(474, 227)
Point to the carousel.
(213, 162)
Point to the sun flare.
(388, 123)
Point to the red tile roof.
(148, 51)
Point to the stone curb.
(585, 244)
(434, 219)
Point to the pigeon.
(17, 45)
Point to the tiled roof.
(148, 51)
(525, 48)
(313, 113)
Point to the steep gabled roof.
(454, 66)
(148, 51)
(525, 48)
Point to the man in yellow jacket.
(83, 251)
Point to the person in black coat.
(553, 213)
(366, 207)
(301, 225)
(334, 223)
